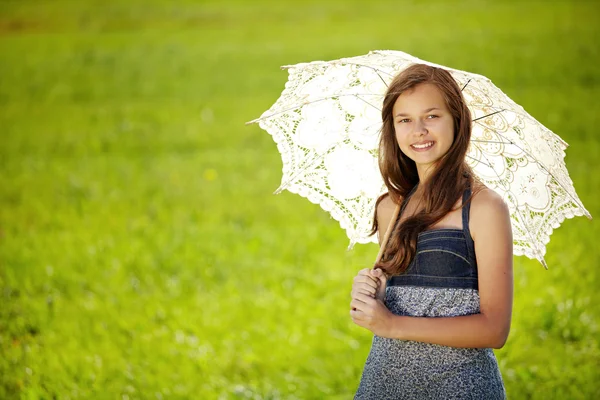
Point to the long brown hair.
(446, 183)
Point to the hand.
(371, 314)
(364, 283)
(382, 282)
(371, 282)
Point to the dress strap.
(466, 208)
(466, 211)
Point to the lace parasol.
(327, 121)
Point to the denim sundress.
(441, 281)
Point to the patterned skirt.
(401, 369)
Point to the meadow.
(142, 252)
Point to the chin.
(426, 161)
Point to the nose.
(420, 128)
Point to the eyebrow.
(424, 112)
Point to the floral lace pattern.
(326, 125)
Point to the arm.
(385, 211)
(491, 232)
(368, 281)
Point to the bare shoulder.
(386, 207)
(486, 200)
(385, 211)
(488, 212)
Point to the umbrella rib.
(377, 71)
(380, 77)
(294, 107)
(576, 201)
(363, 100)
(516, 209)
(521, 114)
(463, 88)
(329, 63)
(525, 115)
(301, 169)
(489, 115)
(347, 210)
(479, 161)
(490, 141)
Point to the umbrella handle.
(388, 232)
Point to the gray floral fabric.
(399, 369)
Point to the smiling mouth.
(422, 146)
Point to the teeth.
(422, 146)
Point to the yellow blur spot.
(210, 174)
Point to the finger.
(360, 294)
(356, 315)
(369, 280)
(376, 272)
(363, 298)
(368, 290)
(361, 305)
(357, 305)
(378, 275)
(382, 282)
(365, 273)
(366, 282)
(363, 287)
(355, 292)
(368, 273)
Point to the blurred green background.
(142, 253)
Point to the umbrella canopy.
(327, 123)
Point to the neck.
(424, 172)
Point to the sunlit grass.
(142, 254)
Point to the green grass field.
(142, 253)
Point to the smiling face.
(423, 125)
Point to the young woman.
(441, 297)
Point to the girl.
(441, 297)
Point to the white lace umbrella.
(327, 123)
